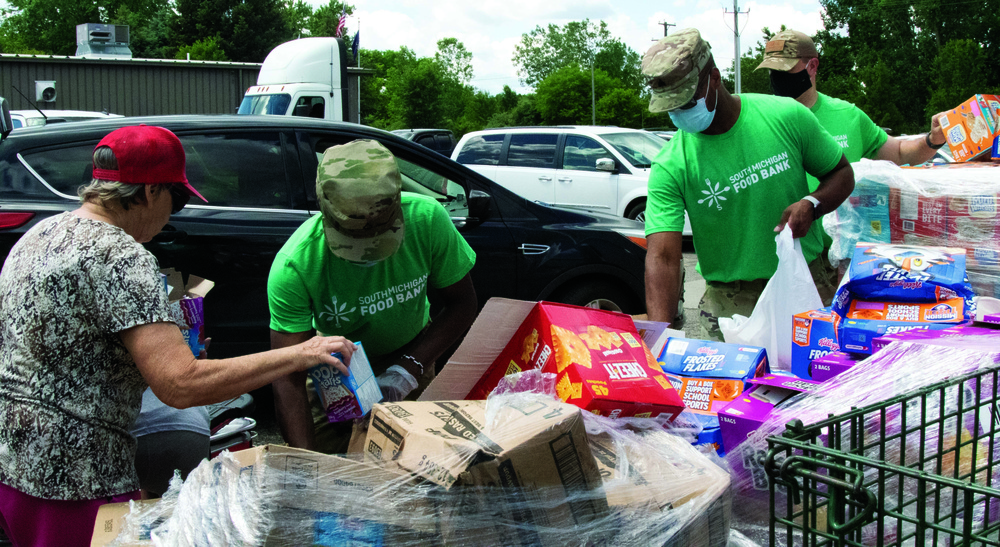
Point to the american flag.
(341, 23)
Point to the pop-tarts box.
(748, 412)
(968, 129)
(708, 375)
(346, 397)
(905, 273)
(858, 335)
(832, 364)
(814, 334)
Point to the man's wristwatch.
(927, 141)
(815, 203)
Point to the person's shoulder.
(307, 234)
(834, 103)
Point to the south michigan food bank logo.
(713, 195)
(337, 312)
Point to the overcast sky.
(491, 28)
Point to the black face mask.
(790, 84)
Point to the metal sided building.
(135, 87)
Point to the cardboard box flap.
(493, 328)
(177, 289)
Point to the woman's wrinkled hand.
(319, 349)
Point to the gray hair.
(104, 192)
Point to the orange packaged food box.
(970, 128)
(600, 361)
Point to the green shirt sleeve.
(820, 152)
(872, 136)
(453, 257)
(665, 203)
(288, 298)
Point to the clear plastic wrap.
(617, 482)
(888, 423)
(952, 205)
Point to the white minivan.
(604, 169)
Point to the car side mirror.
(606, 164)
(6, 124)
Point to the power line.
(665, 25)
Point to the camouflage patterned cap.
(358, 185)
(784, 49)
(672, 68)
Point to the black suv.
(258, 174)
(441, 141)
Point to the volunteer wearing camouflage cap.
(738, 167)
(794, 62)
(361, 269)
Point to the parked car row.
(589, 168)
(258, 174)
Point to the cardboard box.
(534, 462)
(708, 375)
(917, 219)
(346, 397)
(186, 304)
(993, 318)
(109, 523)
(857, 335)
(969, 129)
(601, 363)
(746, 413)
(946, 311)
(871, 201)
(832, 364)
(814, 334)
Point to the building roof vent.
(101, 40)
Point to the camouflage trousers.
(740, 297)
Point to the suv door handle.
(546, 179)
(565, 179)
(533, 249)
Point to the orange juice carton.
(709, 375)
(969, 129)
(814, 334)
(599, 359)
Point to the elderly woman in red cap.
(86, 328)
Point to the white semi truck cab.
(304, 77)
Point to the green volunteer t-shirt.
(856, 133)
(735, 186)
(383, 306)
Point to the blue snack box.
(708, 375)
(856, 335)
(814, 334)
(905, 273)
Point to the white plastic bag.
(789, 292)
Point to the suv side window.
(581, 153)
(417, 179)
(481, 150)
(532, 150)
(236, 170)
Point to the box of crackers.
(600, 361)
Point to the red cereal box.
(600, 361)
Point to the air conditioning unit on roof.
(95, 40)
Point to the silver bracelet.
(418, 363)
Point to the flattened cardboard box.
(539, 453)
(109, 521)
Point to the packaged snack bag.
(907, 274)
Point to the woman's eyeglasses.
(179, 197)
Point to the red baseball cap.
(146, 154)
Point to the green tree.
(455, 61)
(564, 98)
(953, 83)
(620, 62)
(415, 95)
(543, 51)
(297, 14)
(202, 50)
(325, 19)
(46, 26)
(375, 88)
(247, 30)
(149, 31)
(623, 107)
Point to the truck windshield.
(276, 104)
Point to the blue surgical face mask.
(697, 118)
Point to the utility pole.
(736, 41)
(665, 25)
